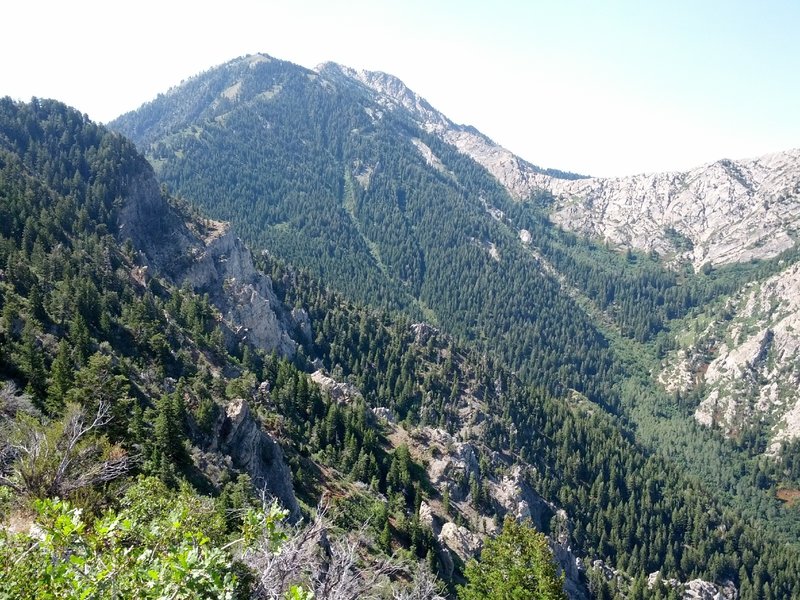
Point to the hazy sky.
(606, 88)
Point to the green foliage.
(127, 554)
(297, 592)
(76, 326)
(516, 565)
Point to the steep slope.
(720, 213)
(317, 170)
(724, 212)
(745, 363)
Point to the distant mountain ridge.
(722, 212)
(514, 173)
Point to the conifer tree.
(60, 378)
(516, 565)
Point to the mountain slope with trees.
(144, 363)
(338, 173)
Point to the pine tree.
(79, 336)
(516, 564)
(60, 378)
(386, 538)
(32, 363)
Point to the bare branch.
(12, 401)
(100, 473)
(60, 458)
(424, 586)
(339, 569)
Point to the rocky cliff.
(723, 212)
(210, 260)
(239, 436)
(747, 361)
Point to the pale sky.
(603, 88)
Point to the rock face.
(748, 361)
(696, 589)
(719, 213)
(723, 212)
(450, 460)
(215, 263)
(253, 451)
(460, 540)
(519, 500)
(224, 269)
(339, 391)
(423, 332)
(572, 568)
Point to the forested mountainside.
(724, 213)
(317, 174)
(355, 178)
(130, 392)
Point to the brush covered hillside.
(155, 381)
(356, 179)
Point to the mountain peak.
(392, 92)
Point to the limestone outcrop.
(696, 589)
(239, 436)
(748, 361)
(460, 541)
(223, 268)
(518, 499)
(719, 213)
(339, 391)
(213, 262)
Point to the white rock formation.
(428, 518)
(216, 263)
(450, 459)
(339, 391)
(460, 540)
(518, 498)
(384, 414)
(423, 332)
(719, 213)
(751, 370)
(224, 268)
(696, 589)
